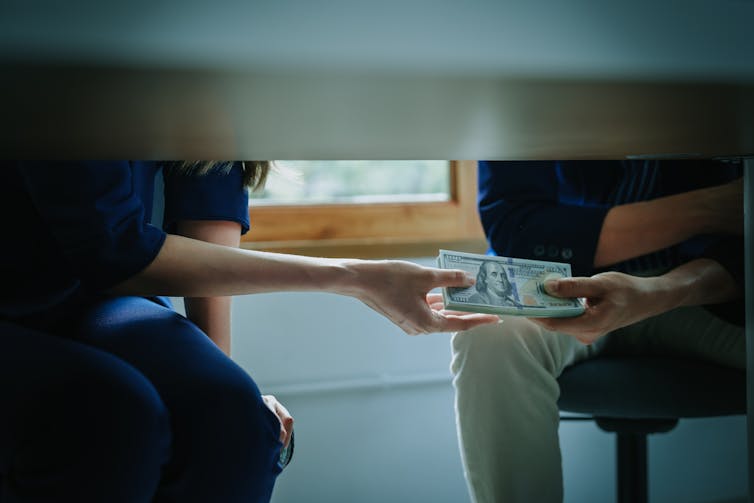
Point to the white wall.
(374, 414)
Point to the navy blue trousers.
(128, 401)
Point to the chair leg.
(632, 467)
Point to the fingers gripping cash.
(507, 286)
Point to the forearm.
(204, 265)
(699, 282)
(396, 289)
(635, 229)
(615, 300)
(191, 268)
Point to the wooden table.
(152, 113)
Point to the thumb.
(574, 287)
(453, 277)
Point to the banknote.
(505, 285)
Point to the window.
(368, 209)
(356, 182)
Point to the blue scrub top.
(78, 228)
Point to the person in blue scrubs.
(108, 394)
(656, 248)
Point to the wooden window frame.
(374, 230)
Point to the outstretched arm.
(396, 289)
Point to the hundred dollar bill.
(507, 286)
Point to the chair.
(636, 396)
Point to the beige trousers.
(505, 377)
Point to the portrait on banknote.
(493, 286)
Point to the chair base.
(631, 445)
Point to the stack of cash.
(509, 286)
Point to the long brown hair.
(254, 172)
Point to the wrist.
(347, 276)
(668, 292)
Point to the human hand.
(613, 300)
(437, 303)
(400, 291)
(286, 421)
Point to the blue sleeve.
(96, 216)
(217, 195)
(523, 216)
